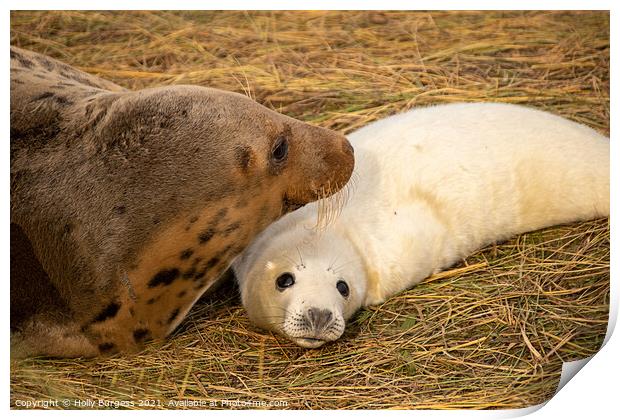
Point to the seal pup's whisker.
(333, 261)
(279, 317)
(289, 259)
(301, 258)
(343, 265)
(271, 318)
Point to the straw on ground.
(490, 333)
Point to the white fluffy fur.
(430, 186)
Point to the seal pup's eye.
(285, 280)
(343, 288)
(280, 150)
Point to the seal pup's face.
(304, 291)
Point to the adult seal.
(127, 206)
(430, 186)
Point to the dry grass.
(491, 334)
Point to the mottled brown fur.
(127, 206)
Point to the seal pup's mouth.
(312, 327)
(308, 342)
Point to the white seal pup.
(430, 186)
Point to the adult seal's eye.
(280, 150)
(285, 280)
(343, 288)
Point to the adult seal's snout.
(333, 161)
(343, 160)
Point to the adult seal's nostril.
(342, 158)
(345, 159)
(347, 147)
(319, 319)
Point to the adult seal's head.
(129, 205)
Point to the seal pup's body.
(430, 186)
(127, 206)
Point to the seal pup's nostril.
(311, 315)
(319, 319)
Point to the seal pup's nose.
(319, 319)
